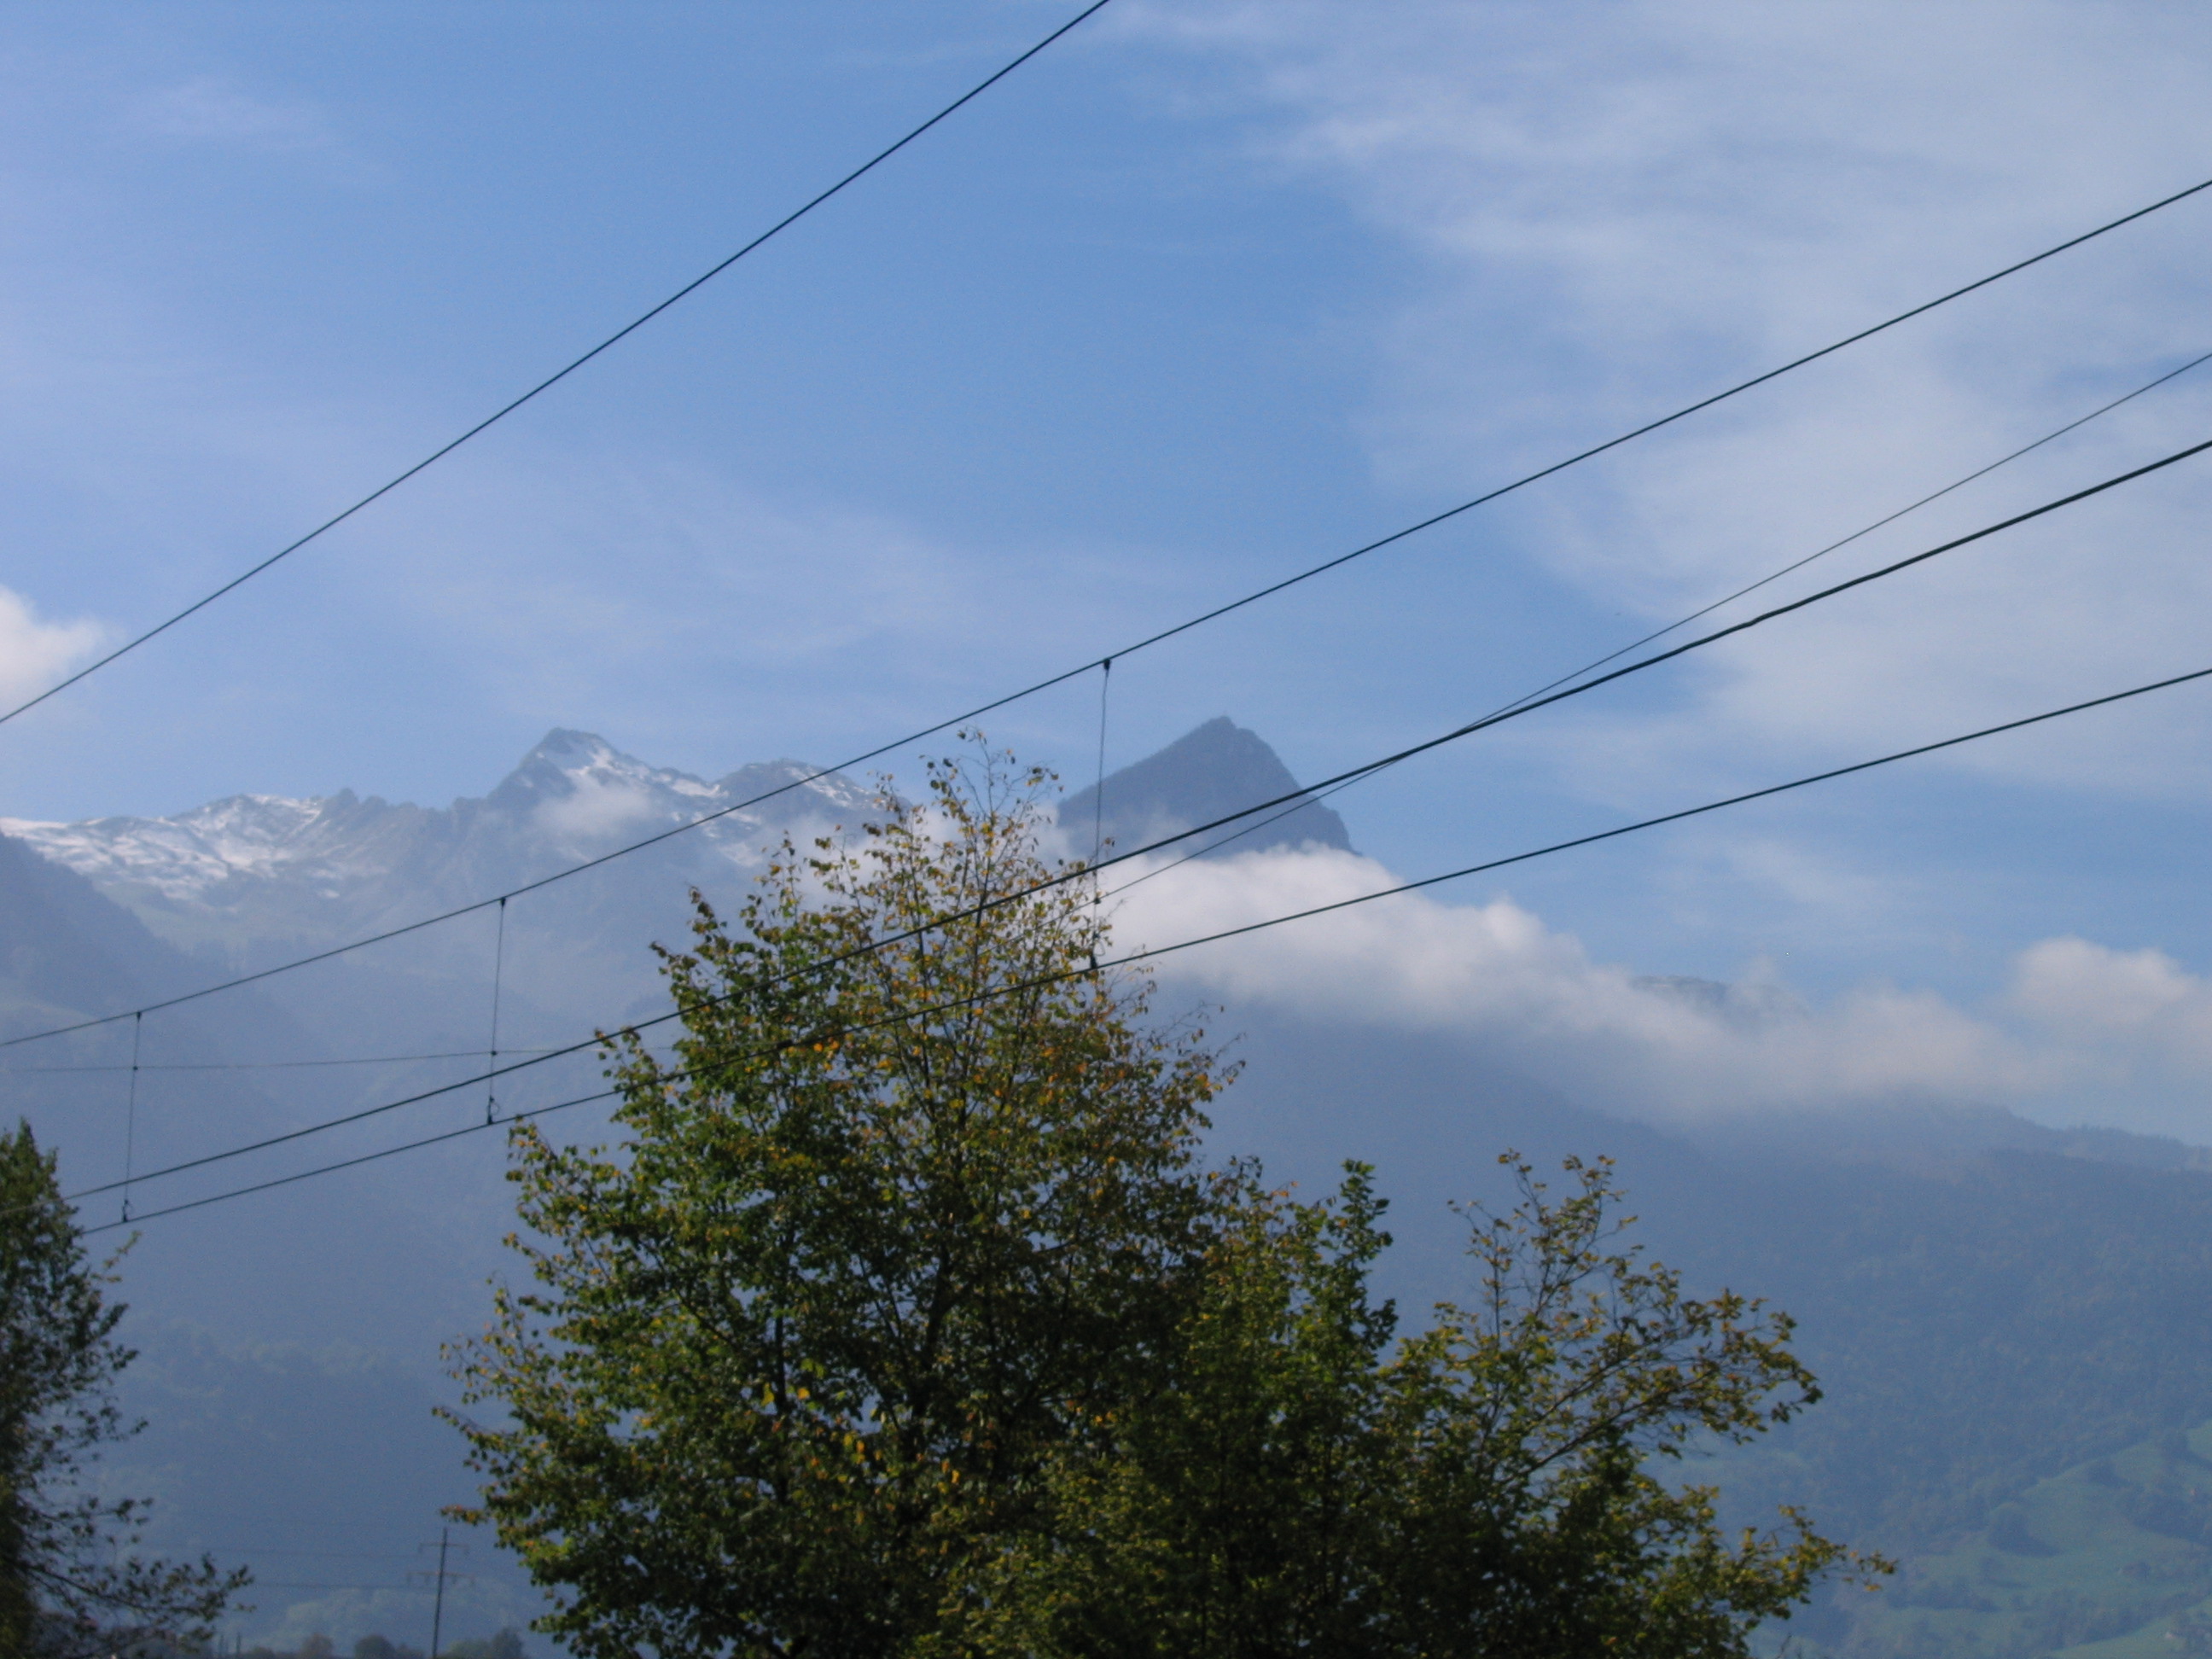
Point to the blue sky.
(1210, 292)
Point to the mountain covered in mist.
(246, 882)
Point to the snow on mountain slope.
(254, 873)
(179, 858)
(252, 880)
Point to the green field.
(2111, 1559)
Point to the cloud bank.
(2081, 1033)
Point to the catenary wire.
(1048, 683)
(1152, 953)
(302, 1583)
(1857, 535)
(1318, 794)
(1081, 872)
(1702, 610)
(563, 374)
(261, 1065)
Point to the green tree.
(1307, 1485)
(1533, 1432)
(1239, 1509)
(889, 1228)
(67, 1584)
(906, 1322)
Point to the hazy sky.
(1210, 292)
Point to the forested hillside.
(1988, 1304)
(1977, 1327)
(2108, 1560)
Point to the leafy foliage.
(1484, 1487)
(801, 1355)
(906, 1322)
(66, 1586)
(1232, 1511)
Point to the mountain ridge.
(250, 881)
(572, 795)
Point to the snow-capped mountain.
(249, 880)
(246, 881)
(268, 868)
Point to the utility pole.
(438, 1605)
(445, 1546)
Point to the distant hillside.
(237, 1463)
(2107, 1560)
(1976, 1328)
(68, 953)
(65, 949)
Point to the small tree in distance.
(906, 1324)
(68, 1588)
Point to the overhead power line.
(1154, 952)
(1771, 576)
(1100, 662)
(1081, 872)
(1838, 546)
(562, 374)
(260, 1065)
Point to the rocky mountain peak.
(1210, 772)
(565, 765)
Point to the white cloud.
(209, 110)
(1621, 205)
(2143, 1002)
(679, 605)
(2084, 1032)
(34, 654)
(596, 810)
